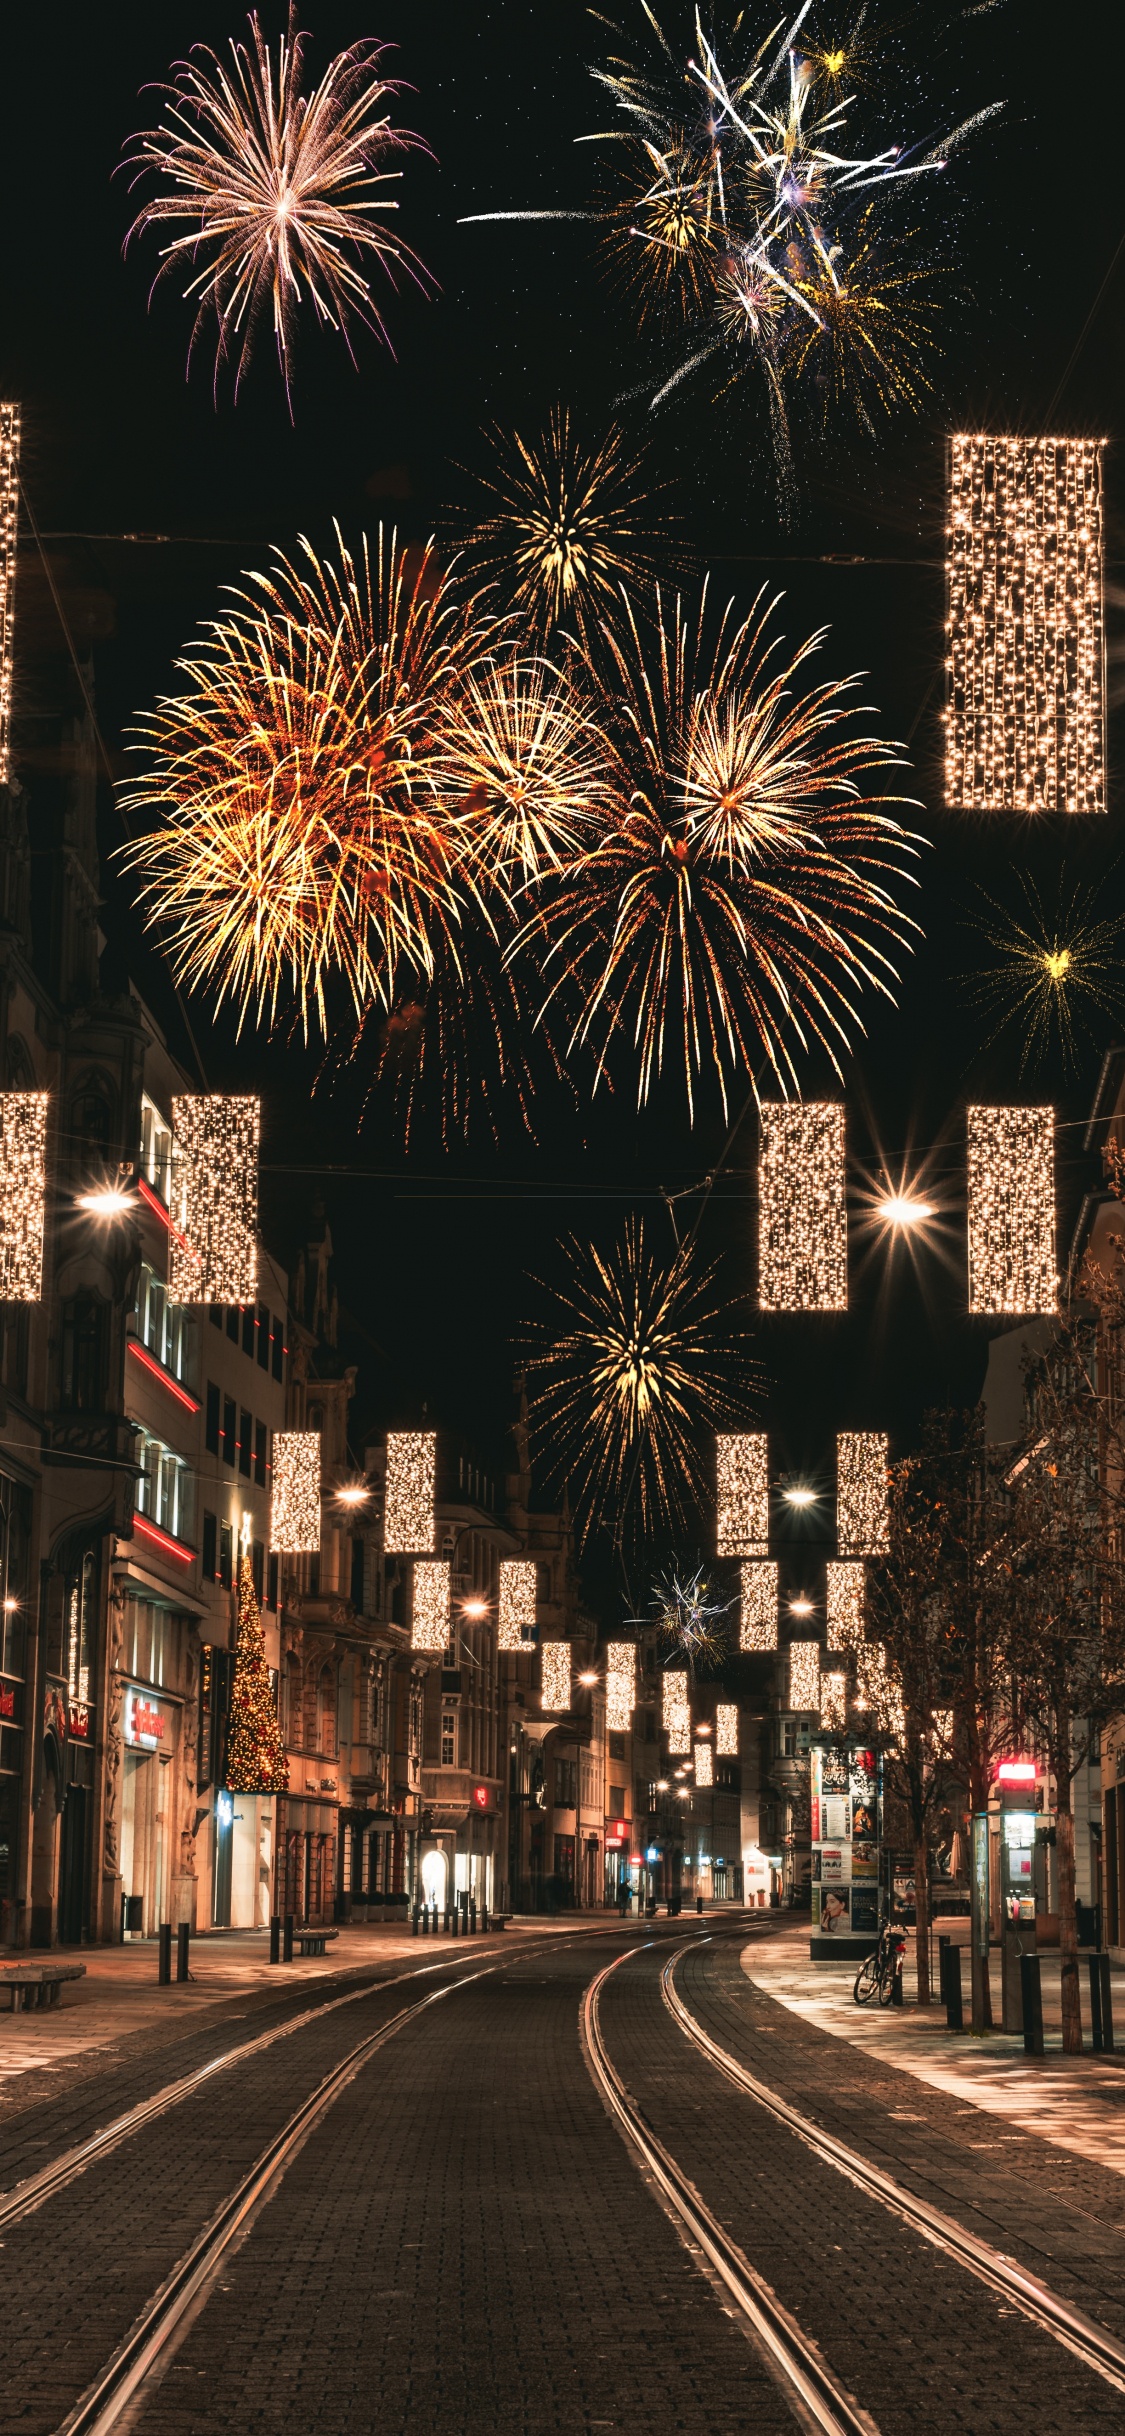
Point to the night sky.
(435, 1249)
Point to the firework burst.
(277, 196)
(738, 899)
(300, 786)
(1056, 972)
(690, 1617)
(567, 523)
(635, 1363)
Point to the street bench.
(313, 1940)
(45, 1978)
(499, 1920)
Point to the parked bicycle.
(879, 1974)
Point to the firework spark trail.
(1055, 972)
(639, 1363)
(690, 1617)
(276, 191)
(738, 899)
(567, 522)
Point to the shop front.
(306, 1859)
(150, 1725)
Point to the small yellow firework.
(873, 335)
(568, 521)
(1055, 972)
(278, 194)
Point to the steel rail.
(1090, 2343)
(820, 2401)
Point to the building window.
(357, 1575)
(156, 1150)
(229, 1427)
(163, 1325)
(226, 1556)
(260, 1454)
(212, 1419)
(617, 1746)
(80, 1628)
(326, 1713)
(234, 1329)
(215, 1314)
(566, 1789)
(617, 1801)
(164, 1490)
(277, 1342)
(210, 1547)
(245, 1443)
(449, 1738)
(263, 1347)
(15, 1538)
(83, 1354)
(272, 1583)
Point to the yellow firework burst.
(275, 195)
(1057, 972)
(525, 771)
(567, 522)
(743, 893)
(873, 340)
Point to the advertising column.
(846, 1828)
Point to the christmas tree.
(256, 1761)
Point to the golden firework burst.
(1057, 971)
(568, 520)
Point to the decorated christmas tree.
(256, 1761)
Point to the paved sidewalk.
(1077, 2102)
(120, 1994)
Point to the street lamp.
(353, 1493)
(799, 1494)
(901, 1210)
(109, 1202)
(800, 1606)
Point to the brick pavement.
(1061, 2215)
(465, 2248)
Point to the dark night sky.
(434, 1249)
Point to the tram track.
(1014, 2285)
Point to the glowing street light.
(901, 1210)
(589, 1678)
(800, 1607)
(799, 1494)
(353, 1493)
(110, 1202)
(474, 1609)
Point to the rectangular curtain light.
(620, 1685)
(742, 1500)
(802, 1211)
(758, 1620)
(1013, 1261)
(409, 1523)
(862, 1511)
(213, 1255)
(675, 1714)
(9, 543)
(23, 1194)
(833, 1703)
(517, 1603)
(804, 1676)
(704, 1766)
(554, 1675)
(430, 1617)
(726, 1730)
(295, 1502)
(1025, 723)
(845, 1604)
(876, 1689)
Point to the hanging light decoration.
(675, 1714)
(845, 1604)
(726, 1730)
(518, 1586)
(23, 1194)
(802, 1213)
(214, 1204)
(295, 1503)
(758, 1621)
(833, 1703)
(9, 542)
(1025, 727)
(876, 1689)
(704, 1768)
(1012, 1256)
(430, 1617)
(620, 1685)
(804, 1677)
(862, 1506)
(742, 1503)
(409, 1523)
(554, 1675)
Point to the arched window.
(326, 1713)
(83, 1353)
(293, 1702)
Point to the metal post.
(424, 1922)
(473, 1915)
(1031, 1990)
(183, 1940)
(287, 1939)
(275, 1937)
(484, 1918)
(951, 1985)
(164, 1935)
(456, 1918)
(415, 1916)
(1101, 2005)
(979, 1921)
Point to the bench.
(314, 1940)
(45, 1978)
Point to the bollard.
(455, 1920)
(164, 1935)
(425, 1920)
(275, 1937)
(1101, 2006)
(415, 1916)
(1031, 1990)
(435, 1919)
(484, 1918)
(183, 1939)
(951, 1985)
(287, 1939)
(473, 1916)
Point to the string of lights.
(802, 1214)
(833, 1703)
(1011, 1168)
(554, 1675)
(9, 542)
(804, 1677)
(862, 1510)
(1025, 726)
(430, 1613)
(845, 1604)
(758, 1619)
(704, 1766)
(675, 1714)
(517, 1603)
(742, 1500)
(408, 1515)
(295, 1502)
(214, 1206)
(726, 1730)
(23, 1194)
(620, 1686)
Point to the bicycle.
(879, 1973)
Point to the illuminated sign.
(480, 1797)
(79, 1722)
(1017, 1771)
(143, 1721)
(616, 1831)
(7, 1699)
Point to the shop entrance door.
(138, 1806)
(224, 1858)
(72, 1867)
